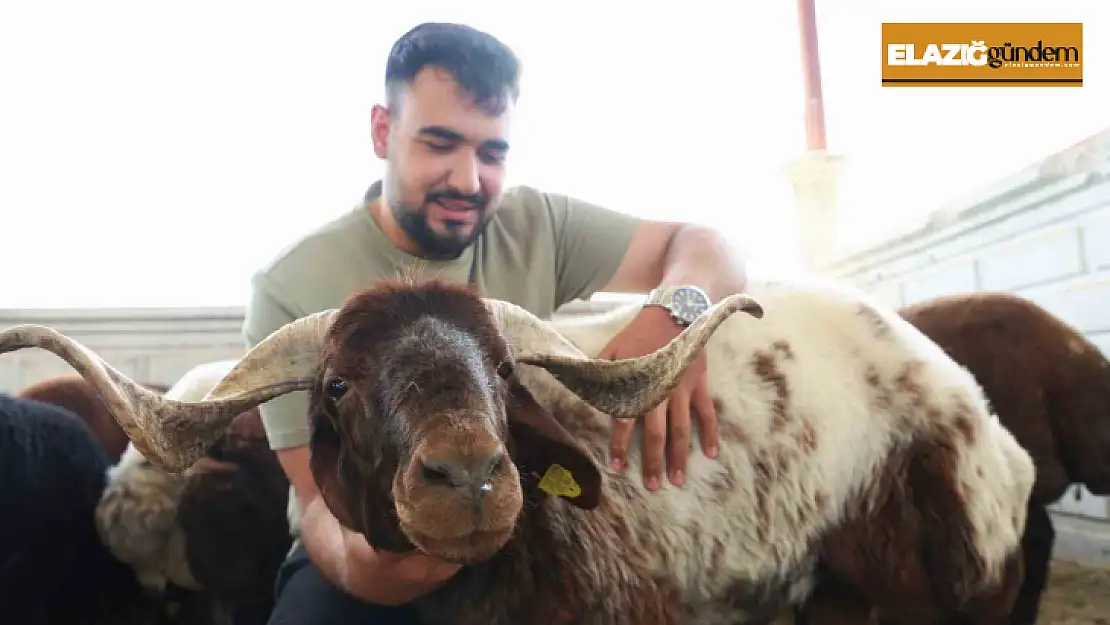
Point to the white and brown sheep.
(1049, 386)
(137, 514)
(217, 529)
(471, 430)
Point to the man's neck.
(387, 223)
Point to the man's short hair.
(482, 66)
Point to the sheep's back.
(46, 450)
(1048, 383)
(75, 394)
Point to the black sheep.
(53, 568)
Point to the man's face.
(445, 162)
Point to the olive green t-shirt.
(540, 251)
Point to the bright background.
(156, 155)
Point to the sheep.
(76, 394)
(218, 528)
(137, 514)
(232, 513)
(53, 569)
(471, 430)
(1050, 387)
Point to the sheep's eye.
(505, 370)
(336, 388)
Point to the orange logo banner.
(982, 55)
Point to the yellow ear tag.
(558, 481)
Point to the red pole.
(811, 73)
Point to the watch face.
(688, 304)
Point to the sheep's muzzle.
(459, 495)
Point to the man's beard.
(414, 221)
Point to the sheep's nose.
(471, 473)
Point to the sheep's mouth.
(472, 548)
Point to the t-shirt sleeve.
(590, 243)
(284, 418)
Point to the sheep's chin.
(456, 525)
(473, 548)
(447, 525)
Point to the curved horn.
(174, 434)
(290, 355)
(625, 388)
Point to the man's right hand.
(345, 558)
(387, 578)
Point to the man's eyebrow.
(442, 133)
(447, 134)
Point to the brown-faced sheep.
(471, 430)
(1050, 387)
(75, 394)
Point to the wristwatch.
(685, 303)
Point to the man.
(444, 133)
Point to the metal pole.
(811, 73)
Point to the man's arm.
(599, 249)
(342, 556)
(673, 254)
(286, 422)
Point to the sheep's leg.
(834, 603)
(1036, 546)
(1078, 409)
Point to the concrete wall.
(1043, 233)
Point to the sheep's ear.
(324, 461)
(369, 510)
(545, 452)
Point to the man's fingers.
(678, 447)
(655, 441)
(708, 430)
(618, 445)
(424, 569)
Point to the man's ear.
(544, 450)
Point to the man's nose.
(464, 174)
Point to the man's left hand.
(666, 428)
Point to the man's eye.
(439, 147)
(493, 158)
